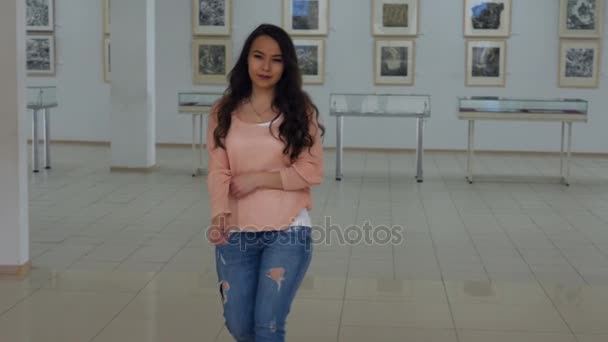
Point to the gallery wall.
(532, 64)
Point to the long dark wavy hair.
(289, 99)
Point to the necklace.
(258, 114)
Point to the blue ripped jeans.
(259, 274)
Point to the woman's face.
(265, 62)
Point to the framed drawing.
(106, 16)
(211, 59)
(486, 63)
(40, 55)
(107, 61)
(40, 15)
(394, 62)
(487, 18)
(581, 18)
(306, 17)
(395, 17)
(579, 63)
(311, 59)
(211, 17)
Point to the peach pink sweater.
(251, 148)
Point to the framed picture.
(211, 59)
(394, 62)
(106, 16)
(107, 61)
(40, 55)
(395, 17)
(211, 17)
(579, 63)
(581, 18)
(486, 63)
(487, 18)
(306, 17)
(311, 59)
(40, 15)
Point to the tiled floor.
(122, 257)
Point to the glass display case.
(41, 97)
(381, 106)
(197, 104)
(41, 100)
(565, 111)
(523, 109)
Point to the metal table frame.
(565, 119)
(200, 113)
(420, 118)
(46, 122)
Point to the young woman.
(265, 152)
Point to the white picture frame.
(395, 17)
(40, 55)
(311, 59)
(581, 18)
(211, 60)
(107, 60)
(394, 61)
(487, 18)
(306, 17)
(40, 15)
(211, 17)
(485, 63)
(106, 16)
(579, 63)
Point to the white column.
(132, 89)
(14, 225)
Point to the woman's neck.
(262, 97)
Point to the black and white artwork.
(581, 14)
(40, 55)
(579, 63)
(581, 18)
(211, 17)
(211, 58)
(310, 53)
(39, 15)
(212, 13)
(485, 63)
(487, 18)
(395, 17)
(394, 62)
(305, 17)
(308, 59)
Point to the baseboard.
(75, 142)
(19, 271)
(150, 169)
(359, 149)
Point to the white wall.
(532, 64)
(83, 97)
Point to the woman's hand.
(218, 232)
(243, 185)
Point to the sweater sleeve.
(307, 170)
(219, 174)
